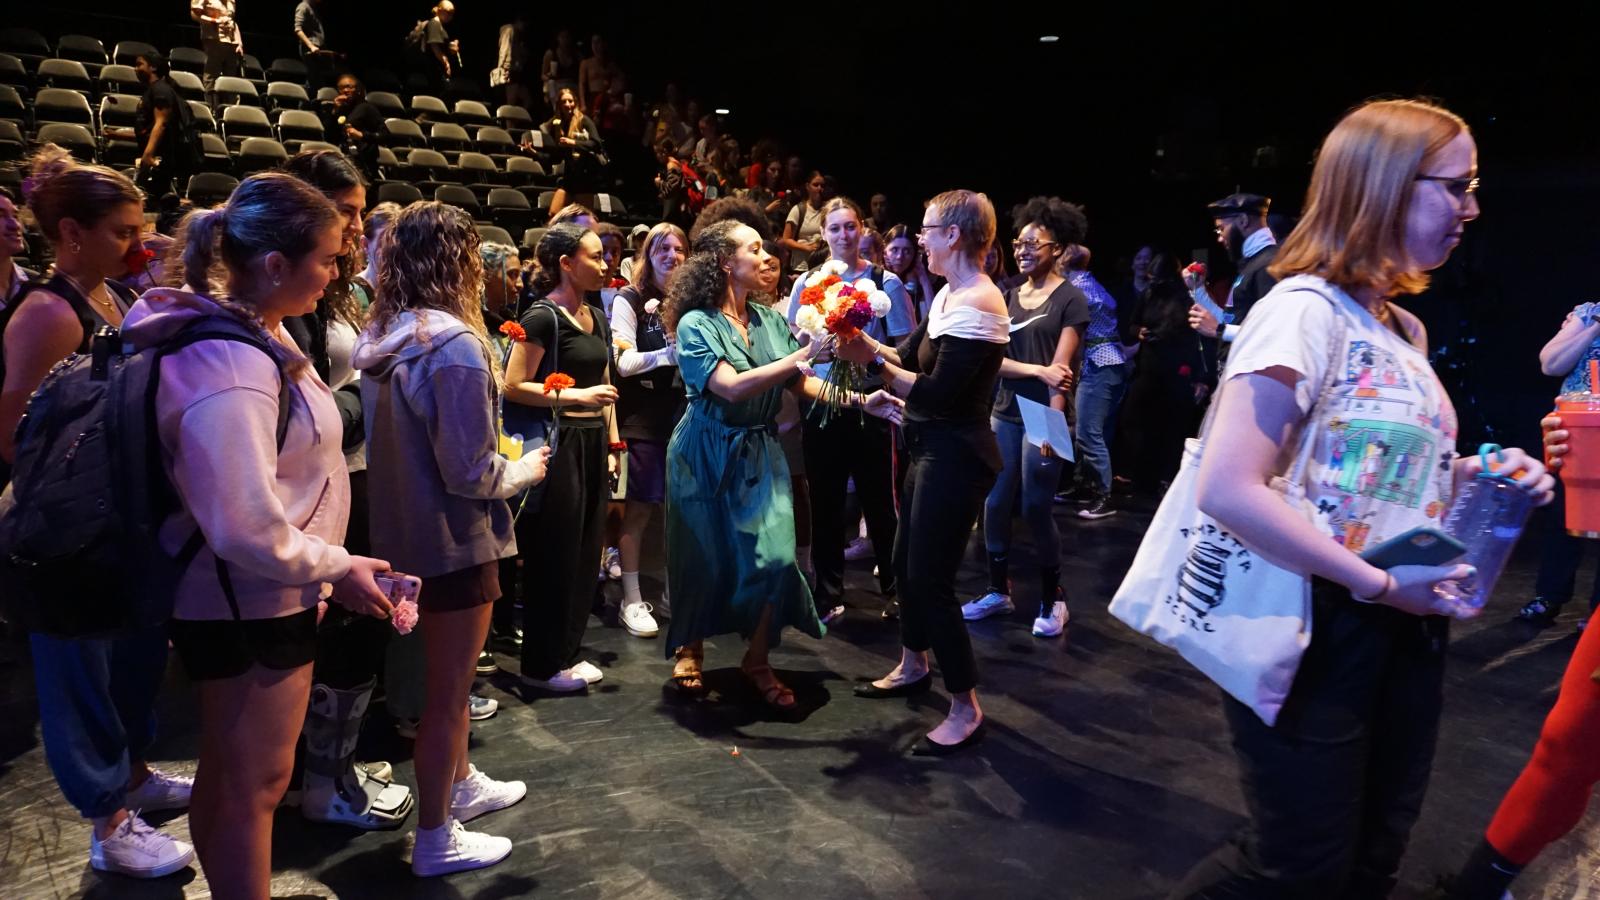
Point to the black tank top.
(62, 287)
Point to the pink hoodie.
(277, 519)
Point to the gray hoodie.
(437, 486)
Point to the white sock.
(802, 558)
(630, 589)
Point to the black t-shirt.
(648, 405)
(1034, 337)
(363, 117)
(435, 34)
(367, 120)
(161, 94)
(580, 355)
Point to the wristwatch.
(875, 368)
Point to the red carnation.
(514, 331)
(138, 259)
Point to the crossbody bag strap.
(1308, 436)
(1329, 382)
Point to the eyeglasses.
(927, 228)
(1459, 188)
(1032, 246)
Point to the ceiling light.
(1049, 38)
(720, 112)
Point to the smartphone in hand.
(1420, 546)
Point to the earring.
(277, 283)
(77, 247)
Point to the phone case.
(399, 587)
(1417, 547)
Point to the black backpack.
(79, 555)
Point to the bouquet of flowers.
(833, 309)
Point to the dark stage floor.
(1105, 775)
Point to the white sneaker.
(589, 672)
(478, 794)
(1054, 624)
(563, 682)
(137, 850)
(990, 604)
(860, 548)
(637, 619)
(480, 708)
(451, 848)
(160, 792)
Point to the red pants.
(1550, 796)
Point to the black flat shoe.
(926, 747)
(871, 691)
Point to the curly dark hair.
(700, 282)
(1065, 221)
(737, 209)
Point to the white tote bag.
(1239, 618)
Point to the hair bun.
(50, 161)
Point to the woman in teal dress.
(730, 511)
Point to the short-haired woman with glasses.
(946, 372)
(1048, 316)
(1335, 784)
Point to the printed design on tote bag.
(1204, 574)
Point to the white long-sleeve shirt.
(625, 334)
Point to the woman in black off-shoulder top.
(946, 372)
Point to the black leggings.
(560, 547)
(944, 491)
(849, 448)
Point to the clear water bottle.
(1488, 516)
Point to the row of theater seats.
(448, 149)
(78, 57)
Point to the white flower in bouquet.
(880, 303)
(865, 285)
(815, 278)
(811, 321)
(834, 267)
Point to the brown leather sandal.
(774, 693)
(686, 670)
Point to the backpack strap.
(211, 329)
(227, 587)
(215, 329)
